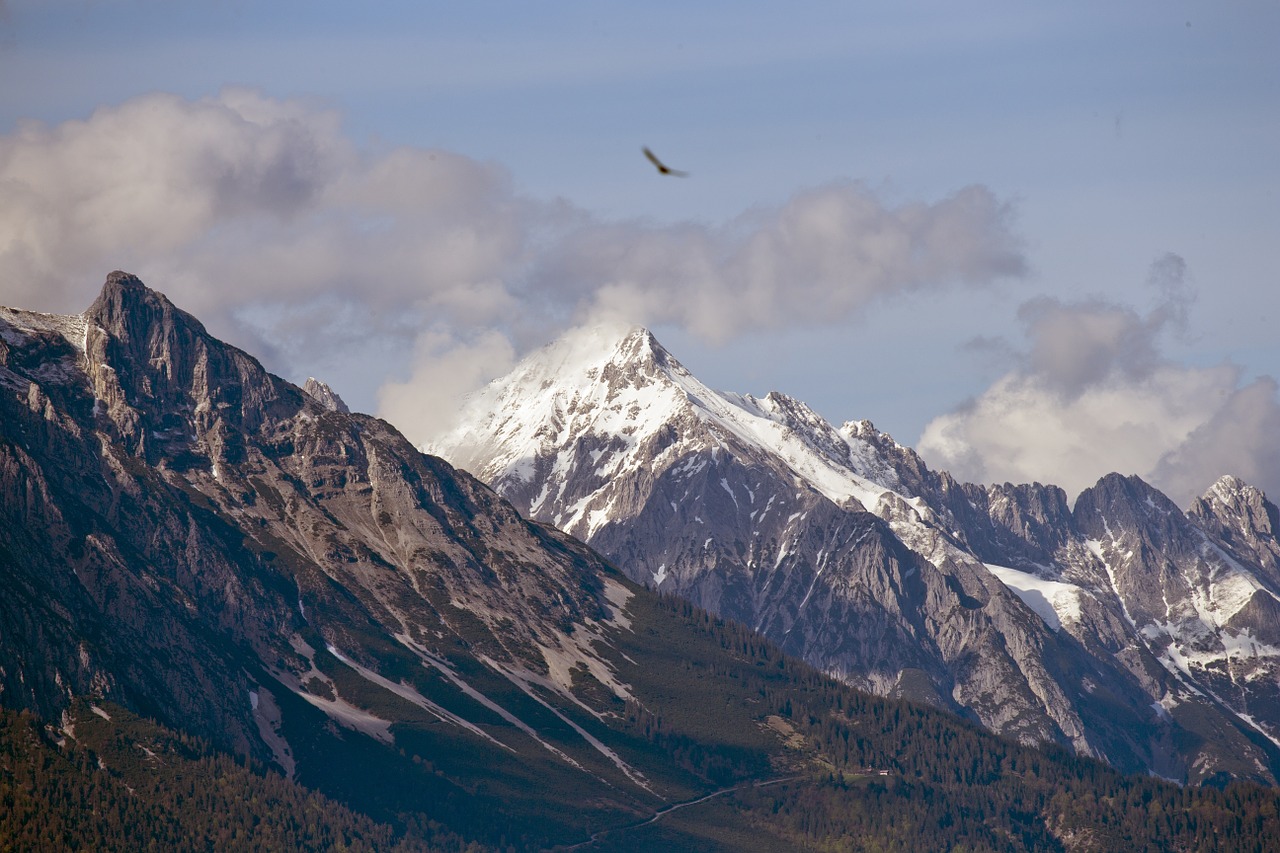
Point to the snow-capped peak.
(1230, 489)
(1239, 506)
(585, 381)
(604, 400)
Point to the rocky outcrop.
(1241, 519)
(189, 536)
(324, 395)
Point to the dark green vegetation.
(719, 711)
(126, 784)
(889, 775)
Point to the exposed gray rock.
(1043, 621)
(181, 531)
(325, 395)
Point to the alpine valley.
(236, 616)
(1120, 627)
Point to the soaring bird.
(662, 167)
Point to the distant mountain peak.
(1001, 599)
(604, 402)
(577, 354)
(638, 336)
(1235, 507)
(606, 371)
(130, 311)
(325, 396)
(122, 279)
(1230, 488)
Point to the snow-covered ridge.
(505, 425)
(72, 327)
(1228, 489)
(620, 387)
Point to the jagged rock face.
(169, 388)
(185, 534)
(1198, 588)
(1148, 544)
(836, 586)
(1015, 525)
(1044, 621)
(324, 395)
(1241, 519)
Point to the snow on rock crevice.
(404, 691)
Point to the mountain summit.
(605, 400)
(1121, 627)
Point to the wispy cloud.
(1094, 392)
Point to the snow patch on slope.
(404, 691)
(526, 680)
(1052, 601)
(268, 718)
(441, 666)
(74, 327)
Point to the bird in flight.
(662, 167)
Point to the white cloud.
(264, 219)
(254, 213)
(824, 255)
(1093, 394)
(443, 372)
(1242, 437)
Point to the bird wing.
(662, 167)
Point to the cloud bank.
(422, 272)
(1093, 393)
(409, 276)
(239, 204)
(827, 253)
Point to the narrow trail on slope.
(658, 815)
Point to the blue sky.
(1122, 154)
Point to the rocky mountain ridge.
(188, 536)
(224, 603)
(1119, 626)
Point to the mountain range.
(234, 615)
(1118, 625)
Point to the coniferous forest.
(781, 757)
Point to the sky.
(1036, 242)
